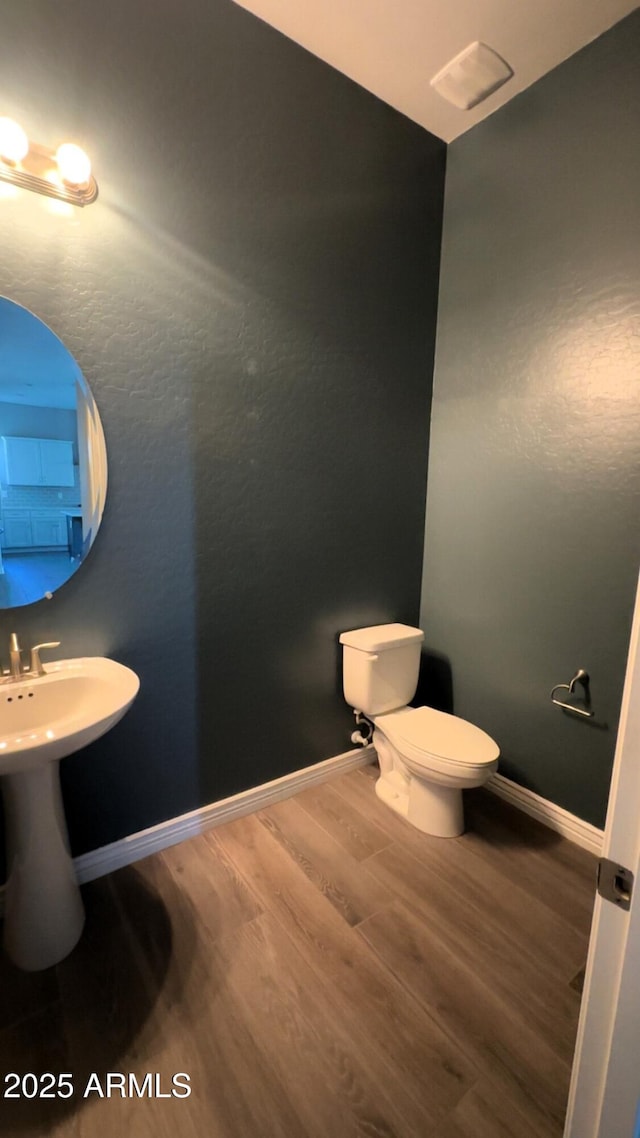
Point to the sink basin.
(54, 715)
(41, 720)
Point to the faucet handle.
(36, 667)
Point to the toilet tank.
(380, 667)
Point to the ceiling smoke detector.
(471, 76)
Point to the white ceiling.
(35, 367)
(394, 47)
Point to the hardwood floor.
(320, 970)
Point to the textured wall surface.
(252, 300)
(532, 540)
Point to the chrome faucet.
(18, 671)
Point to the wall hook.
(581, 677)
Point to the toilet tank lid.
(381, 636)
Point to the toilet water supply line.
(363, 737)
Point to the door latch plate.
(615, 883)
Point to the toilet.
(427, 757)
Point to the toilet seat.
(437, 741)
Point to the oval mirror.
(53, 460)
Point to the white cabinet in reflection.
(26, 529)
(38, 462)
(17, 529)
(48, 528)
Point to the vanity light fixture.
(64, 173)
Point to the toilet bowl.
(427, 757)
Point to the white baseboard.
(126, 851)
(571, 827)
(97, 863)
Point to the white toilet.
(427, 758)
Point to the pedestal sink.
(42, 719)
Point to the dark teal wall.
(252, 300)
(532, 537)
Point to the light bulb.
(14, 144)
(74, 165)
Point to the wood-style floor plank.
(280, 999)
(235, 1085)
(424, 1070)
(318, 968)
(529, 920)
(487, 1111)
(359, 836)
(501, 955)
(153, 908)
(195, 1023)
(556, 872)
(503, 1048)
(341, 879)
(222, 899)
(112, 1024)
(537, 837)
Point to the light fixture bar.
(39, 171)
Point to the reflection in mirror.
(53, 462)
